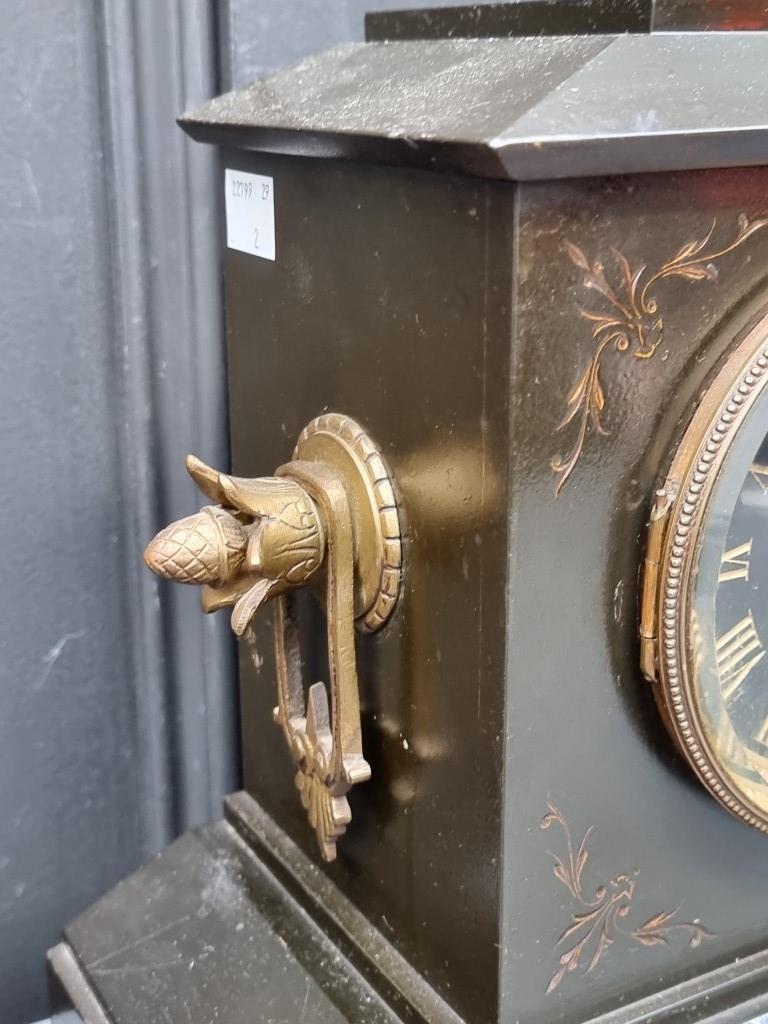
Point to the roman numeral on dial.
(737, 652)
(735, 563)
(762, 733)
(760, 475)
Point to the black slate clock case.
(531, 846)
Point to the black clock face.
(729, 621)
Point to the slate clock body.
(522, 265)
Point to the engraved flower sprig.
(630, 320)
(598, 921)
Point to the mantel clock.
(494, 540)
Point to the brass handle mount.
(333, 507)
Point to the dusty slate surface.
(513, 108)
(198, 933)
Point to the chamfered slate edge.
(516, 109)
(522, 18)
(214, 929)
(70, 990)
(712, 15)
(376, 958)
(736, 993)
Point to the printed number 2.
(265, 191)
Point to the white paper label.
(250, 206)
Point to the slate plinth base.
(233, 924)
(205, 932)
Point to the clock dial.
(729, 627)
(704, 607)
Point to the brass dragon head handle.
(263, 537)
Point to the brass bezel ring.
(692, 477)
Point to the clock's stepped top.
(525, 108)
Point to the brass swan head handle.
(262, 538)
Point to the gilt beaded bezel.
(695, 470)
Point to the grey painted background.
(113, 736)
(117, 720)
(68, 738)
(259, 36)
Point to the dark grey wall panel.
(117, 718)
(156, 60)
(70, 800)
(271, 34)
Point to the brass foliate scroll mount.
(332, 507)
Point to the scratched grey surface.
(523, 109)
(203, 926)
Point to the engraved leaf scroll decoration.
(629, 320)
(598, 921)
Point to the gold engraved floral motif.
(598, 921)
(630, 321)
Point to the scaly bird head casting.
(263, 537)
(333, 506)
